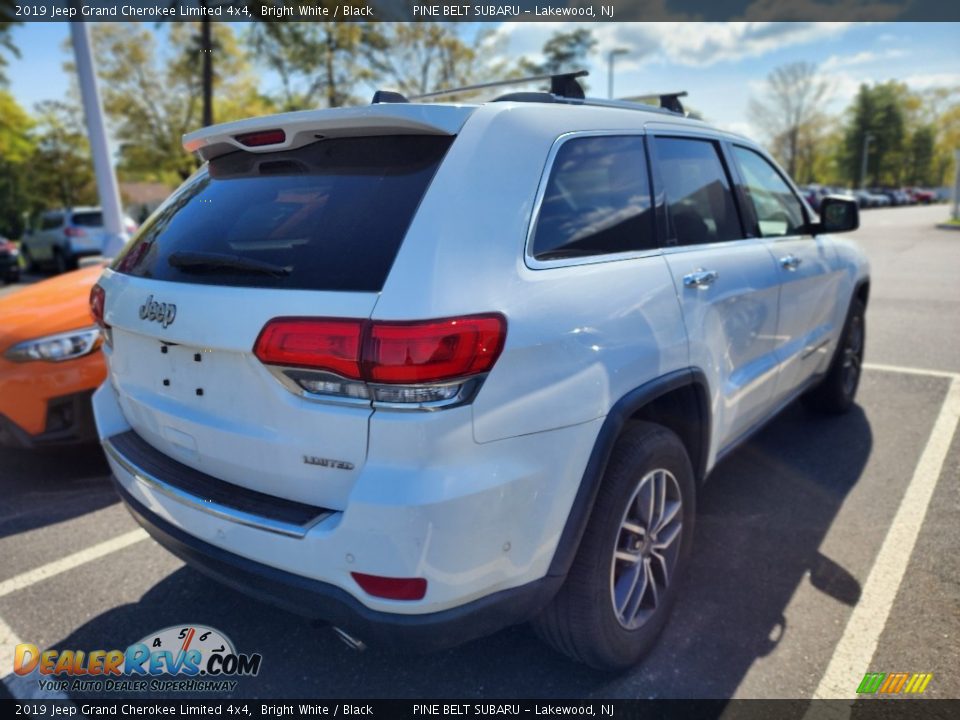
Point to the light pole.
(96, 131)
(610, 57)
(867, 139)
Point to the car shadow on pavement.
(762, 517)
(48, 486)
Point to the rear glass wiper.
(214, 262)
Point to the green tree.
(7, 23)
(878, 111)
(563, 52)
(921, 156)
(316, 61)
(16, 149)
(61, 167)
(152, 98)
(422, 57)
(790, 112)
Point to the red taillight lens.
(74, 232)
(317, 344)
(98, 298)
(386, 352)
(261, 137)
(422, 352)
(392, 588)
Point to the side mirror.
(838, 214)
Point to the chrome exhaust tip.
(349, 640)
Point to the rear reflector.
(392, 588)
(261, 137)
(74, 232)
(399, 353)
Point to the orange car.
(50, 362)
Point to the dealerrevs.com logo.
(187, 658)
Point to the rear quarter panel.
(578, 338)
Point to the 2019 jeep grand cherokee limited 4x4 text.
(425, 371)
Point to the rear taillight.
(423, 363)
(98, 297)
(74, 232)
(423, 352)
(261, 138)
(98, 300)
(332, 345)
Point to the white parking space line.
(910, 370)
(852, 655)
(24, 580)
(21, 688)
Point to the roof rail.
(561, 85)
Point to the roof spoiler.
(292, 130)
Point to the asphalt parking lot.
(825, 548)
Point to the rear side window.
(778, 210)
(597, 200)
(328, 216)
(698, 191)
(88, 219)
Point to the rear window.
(328, 216)
(88, 219)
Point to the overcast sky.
(720, 64)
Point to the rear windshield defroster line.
(331, 215)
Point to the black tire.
(581, 621)
(61, 262)
(835, 395)
(29, 264)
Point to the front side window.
(778, 210)
(698, 191)
(597, 200)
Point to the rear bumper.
(481, 527)
(323, 601)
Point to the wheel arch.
(678, 400)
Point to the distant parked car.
(9, 261)
(924, 197)
(64, 236)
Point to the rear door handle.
(700, 278)
(790, 262)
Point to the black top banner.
(453, 11)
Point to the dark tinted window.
(698, 191)
(48, 222)
(778, 210)
(88, 219)
(597, 200)
(328, 216)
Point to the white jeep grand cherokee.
(425, 371)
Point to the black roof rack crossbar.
(388, 96)
(561, 84)
(669, 101)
